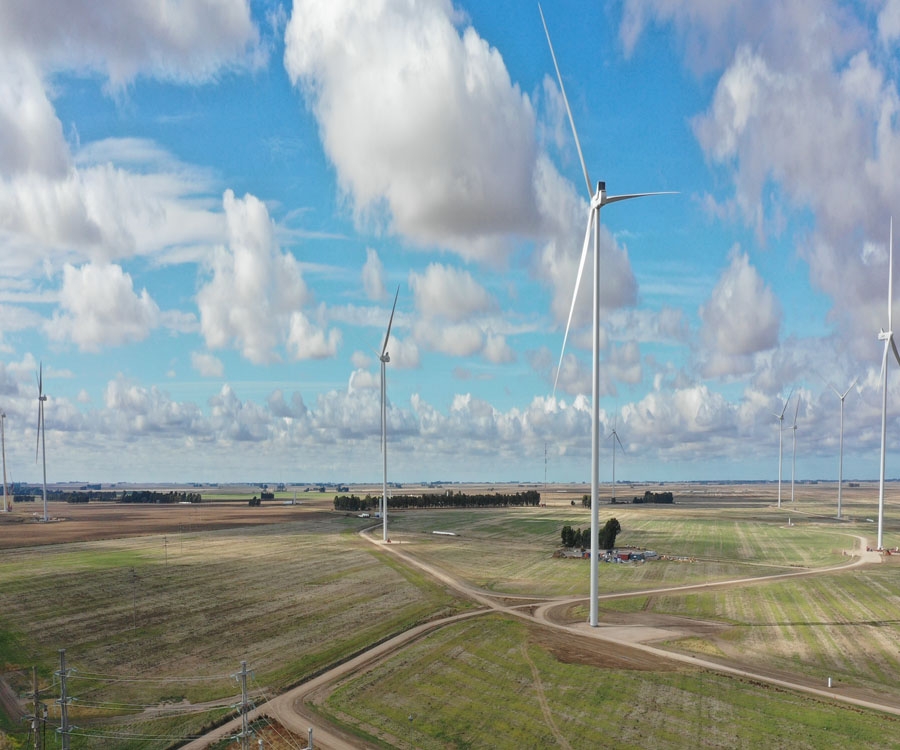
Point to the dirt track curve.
(632, 643)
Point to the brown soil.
(92, 521)
(570, 649)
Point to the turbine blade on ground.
(584, 249)
(562, 89)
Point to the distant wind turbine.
(41, 437)
(385, 358)
(794, 457)
(7, 506)
(615, 436)
(888, 338)
(841, 396)
(597, 200)
(780, 418)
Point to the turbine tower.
(615, 436)
(385, 358)
(888, 338)
(780, 418)
(597, 200)
(841, 396)
(41, 437)
(7, 507)
(794, 457)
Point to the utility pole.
(245, 706)
(166, 546)
(63, 701)
(37, 710)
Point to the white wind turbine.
(780, 418)
(597, 200)
(841, 396)
(41, 438)
(615, 436)
(794, 456)
(888, 338)
(7, 507)
(384, 357)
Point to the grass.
(288, 599)
(291, 598)
(413, 700)
(843, 626)
(510, 551)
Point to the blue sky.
(206, 209)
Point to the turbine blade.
(894, 347)
(796, 412)
(37, 446)
(617, 198)
(41, 379)
(891, 277)
(562, 89)
(584, 251)
(619, 441)
(884, 359)
(784, 408)
(390, 322)
(849, 387)
(837, 392)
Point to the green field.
(518, 695)
(288, 599)
(166, 620)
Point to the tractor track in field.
(612, 645)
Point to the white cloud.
(741, 318)
(253, 298)
(189, 41)
(447, 292)
(307, 340)
(448, 150)
(373, 276)
(99, 307)
(207, 365)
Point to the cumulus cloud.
(741, 318)
(207, 365)
(448, 150)
(254, 295)
(373, 276)
(99, 307)
(189, 41)
(444, 291)
(804, 116)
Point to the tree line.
(448, 500)
(658, 498)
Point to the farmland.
(157, 608)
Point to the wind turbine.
(841, 396)
(794, 457)
(888, 338)
(385, 358)
(41, 437)
(597, 200)
(615, 436)
(6, 505)
(780, 418)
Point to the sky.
(207, 208)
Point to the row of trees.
(448, 500)
(664, 498)
(160, 498)
(582, 538)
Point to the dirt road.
(609, 644)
